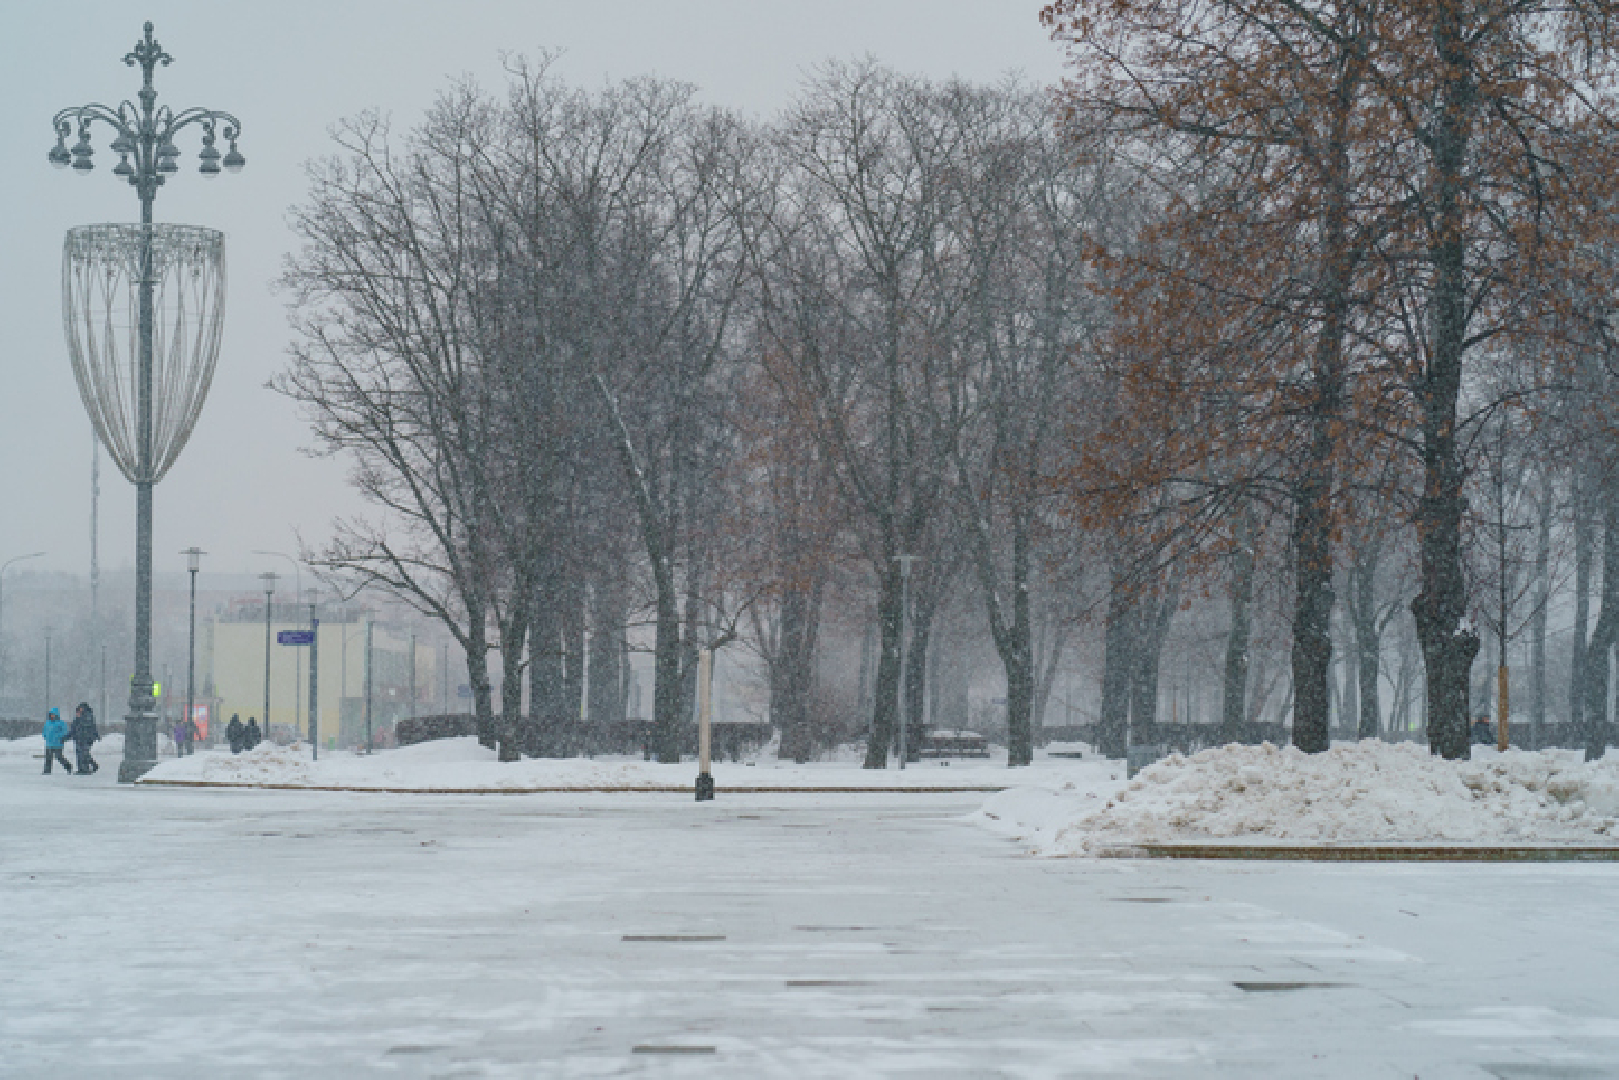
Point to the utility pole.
(412, 675)
(369, 623)
(269, 578)
(314, 684)
(193, 556)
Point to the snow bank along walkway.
(153, 933)
(463, 767)
(1368, 800)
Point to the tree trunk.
(1537, 625)
(1368, 643)
(1118, 661)
(1156, 612)
(477, 648)
(1583, 543)
(666, 684)
(571, 620)
(1604, 634)
(609, 605)
(1349, 695)
(513, 638)
(1448, 647)
(1234, 704)
(1048, 667)
(885, 697)
(792, 670)
(1018, 654)
(1312, 616)
(547, 682)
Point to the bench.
(943, 744)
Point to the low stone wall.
(17, 728)
(561, 740)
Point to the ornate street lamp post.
(144, 396)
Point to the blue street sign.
(463, 691)
(295, 637)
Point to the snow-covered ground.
(1356, 793)
(462, 765)
(169, 932)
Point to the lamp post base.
(140, 748)
(705, 787)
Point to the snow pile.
(1370, 792)
(464, 765)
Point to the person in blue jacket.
(55, 736)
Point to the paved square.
(160, 932)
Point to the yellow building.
(231, 649)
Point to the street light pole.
(3, 568)
(298, 659)
(146, 133)
(269, 579)
(193, 556)
(705, 725)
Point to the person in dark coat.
(84, 735)
(233, 733)
(179, 735)
(55, 736)
(251, 735)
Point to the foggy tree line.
(1215, 345)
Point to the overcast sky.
(289, 69)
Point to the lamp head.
(83, 152)
(210, 156)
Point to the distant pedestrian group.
(242, 737)
(186, 734)
(82, 733)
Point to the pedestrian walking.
(182, 738)
(251, 735)
(55, 737)
(84, 734)
(233, 733)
